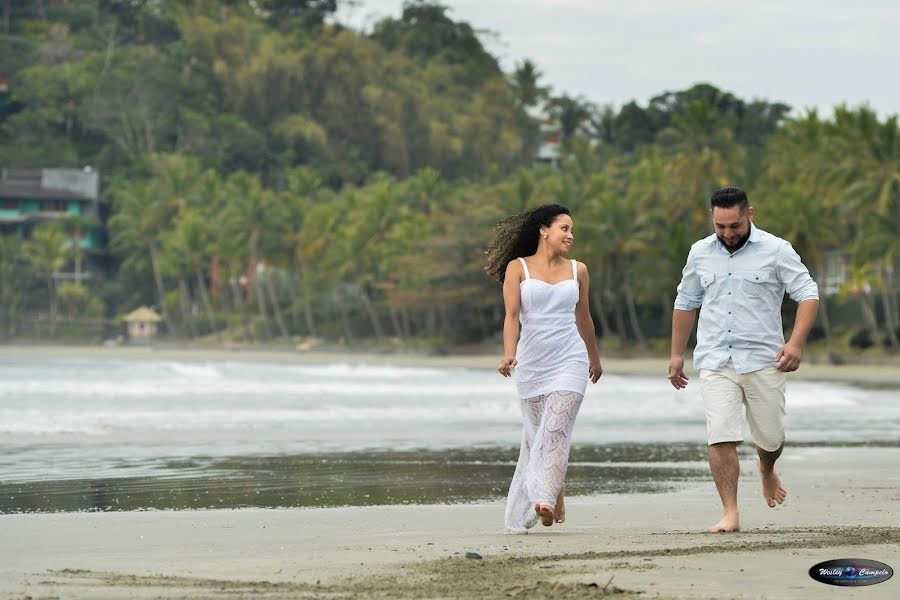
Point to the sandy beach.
(842, 503)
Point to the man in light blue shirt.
(739, 276)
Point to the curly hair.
(518, 236)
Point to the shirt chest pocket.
(757, 284)
(708, 280)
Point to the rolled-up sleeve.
(690, 292)
(798, 283)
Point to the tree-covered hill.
(272, 173)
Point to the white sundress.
(551, 356)
(551, 377)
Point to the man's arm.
(682, 324)
(788, 357)
(687, 301)
(802, 289)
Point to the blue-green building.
(31, 197)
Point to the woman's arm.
(585, 324)
(512, 300)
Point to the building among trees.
(69, 198)
(143, 324)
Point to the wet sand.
(842, 503)
(338, 479)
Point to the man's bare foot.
(773, 493)
(559, 513)
(545, 512)
(728, 524)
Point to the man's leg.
(722, 401)
(764, 395)
(773, 492)
(725, 467)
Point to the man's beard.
(738, 245)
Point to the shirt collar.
(754, 233)
(754, 237)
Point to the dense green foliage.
(273, 174)
(105, 83)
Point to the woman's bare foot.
(773, 493)
(545, 512)
(730, 523)
(559, 513)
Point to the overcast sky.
(807, 53)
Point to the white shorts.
(762, 392)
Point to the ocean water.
(129, 434)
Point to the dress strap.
(524, 266)
(575, 269)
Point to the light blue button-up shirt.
(741, 295)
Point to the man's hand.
(788, 358)
(506, 365)
(595, 371)
(677, 377)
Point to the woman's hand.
(506, 365)
(595, 371)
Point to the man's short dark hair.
(729, 197)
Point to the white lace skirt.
(543, 457)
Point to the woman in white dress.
(554, 357)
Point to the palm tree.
(230, 254)
(11, 271)
(878, 245)
(868, 171)
(142, 213)
(362, 246)
(571, 113)
(667, 225)
(249, 216)
(525, 83)
(77, 226)
(872, 170)
(47, 254)
(303, 237)
(618, 233)
(187, 247)
(705, 155)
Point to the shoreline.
(885, 374)
(651, 545)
